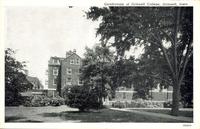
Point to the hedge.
(41, 100)
(138, 103)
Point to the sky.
(37, 33)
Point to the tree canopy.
(15, 79)
(96, 68)
(166, 33)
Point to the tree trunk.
(176, 88)
(175, 98)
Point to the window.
(77, 61)
(72, 61)
(69, 79)
(55, 61)
(69, 71)
(55, 81)
(55, 71)
(80, 82)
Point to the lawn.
(168, 112)
(66, 114)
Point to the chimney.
(68, 53)
(74, 51)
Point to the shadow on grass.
(19, 119)
(32, 121)
(69, 113)
(13, 118)
(105, 115)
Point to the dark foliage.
(168, 30)
(15, 79)
(83, 98)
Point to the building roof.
(55, 57)
(34, 80)
(61, 58)
(68, 55)
(72, 55)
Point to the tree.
(169, 29)
(96, 68)
(15, 79)
(150, 74)
(135, 73)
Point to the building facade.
(156, 94)
(64, 72)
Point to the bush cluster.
(11, 100)
(40, 100)
(138, 103)
(82, 97)
(57, 101)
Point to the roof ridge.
(73, 54)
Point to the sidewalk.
(180, 118)
(181, 109)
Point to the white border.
(65, 3)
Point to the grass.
(63, 114)
(13, 118)
(168, 112)
(106, 115)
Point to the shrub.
(138, 103)
(119, 104)
(27, 101)
(37, 101)
(57, 101)
(41, 100)
(82, 97)
(13, 99)
(45, 101)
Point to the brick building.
(64, 72)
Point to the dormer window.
(55, 61)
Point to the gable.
(74, 55)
